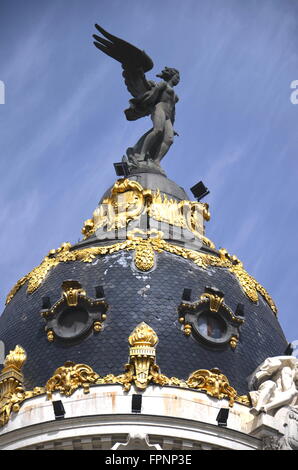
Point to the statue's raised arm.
(156, 99)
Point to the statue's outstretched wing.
(135, 63)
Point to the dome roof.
(155, 266)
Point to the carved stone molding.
(291, 428)
(137, 441)
(271, 443)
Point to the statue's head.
(168, 74)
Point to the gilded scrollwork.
(68, 378)
(185, 214)
(214, 383)
(144, 261)
(250, 286)
(58, 316)
(11, 402)
(212, 304)
(141, 371)
(38, 274)
(215, 303)
(128, 200)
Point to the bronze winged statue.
(150, 98)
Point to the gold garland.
(144, 261)
(141, 371)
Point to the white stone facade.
(170, 418)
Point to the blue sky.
(63, 125)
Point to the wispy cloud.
(63, 126)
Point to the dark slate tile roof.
(132, 301)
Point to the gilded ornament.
(72, 290)
(12, 392)
(185, 214)
(144, 257)
(214, 383)
(97, 326)
(143, 335)
(234, 341)
(250, 286)
(50, 336)
(65, 254)
(68, 378)
(187, 329)
(215, 301)
(58, 315)
(15, 359)
(12, 401)
(129, 200)
(211, 302)
(88, 228)
(141, 371)
(206, 212)
(206, 241)
(142, 353)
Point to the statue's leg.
(285, 390)
(153, 139)
(281, 398)
(265, 392)
(168, 140)
(133, 153)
